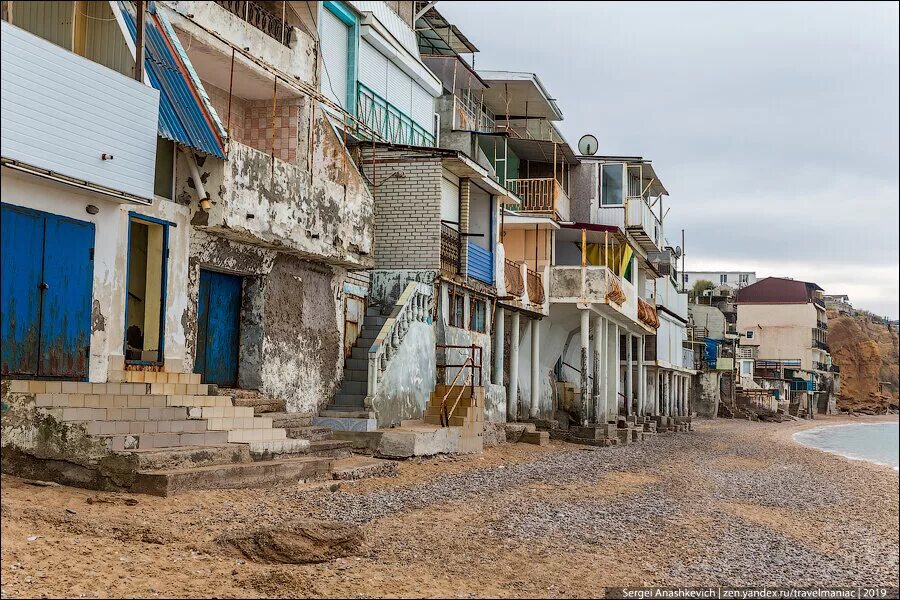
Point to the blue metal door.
(46, 293)
(22, 249)
(218, 328)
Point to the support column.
(512, 399)
(596, 393)
(686, 384)
(617, 362)
(667, 375)
(585, 363)
(642, 378)
(535, 367)
(499, 333)
(629, 375)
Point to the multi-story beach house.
(784, 322)
(180, 218)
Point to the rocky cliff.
(866, 351)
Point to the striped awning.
(185, 113)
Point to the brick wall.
(407, 214)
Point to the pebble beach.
(733, 503)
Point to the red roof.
(778, 290)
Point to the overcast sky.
(773, 126)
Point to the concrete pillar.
(512, 400)
(585, 363)
(499, 332)
(656, 392)
(535, 367)
(668, 398)
(596, 389)
(686, 382)
(642, 376)
(629, 375)
(617, 361)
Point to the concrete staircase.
(347, 412)
(464, 409)
(158, 432)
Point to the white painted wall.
(110, 260)
(734, 278)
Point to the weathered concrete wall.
(584, 192)
(710, 317)
(111, 260)
(292, 319)
(289, 209)
(705, 394)
(385, 287)
(409, 379)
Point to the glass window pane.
(611, 184)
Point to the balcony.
(594, 285)
(820, 345)
(535, 287)
(515, 285)
(66, 117)
(543, 196)
(820, 366)
(272, 203)
(647, 314)
(450, 250)
(264, 20)
(636, 217)
(470, 115)
(387, 121)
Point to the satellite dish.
(677, 251)
(588, 145)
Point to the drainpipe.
(198, 182)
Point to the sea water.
(878, 443)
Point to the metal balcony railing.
(450, 250)
(535, 287)
(515, 286)
(470, 115)
(541, 195)
(388, 121)
(820, 345)
(267, 22)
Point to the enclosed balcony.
(631, 199)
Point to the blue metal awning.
(185, 115)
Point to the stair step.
(352, 388)
(82, 388)
(175, 413)
(231, 476)
(122, 442)
(311, 433)
(116, 376)
(342, 399)
(374, 312)
(357, 364)
(261, 405)
(256, 435)
(143, 427)
(289, 420)
(181, 457)
(226, 412)
(363, 467)
(359, 353)
(248, 423)
(278, 449)
(331, 448)
(332, 411)
(356, 375)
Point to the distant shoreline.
(802, 438)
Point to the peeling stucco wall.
(386, 286)
(409, 378)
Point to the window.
(457, 310)
(611, 182)
(163, 180)
(749, 335)
(746, 367)
(684, 277)
(479, 316)
(723, 278)
(743, 278)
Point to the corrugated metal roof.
(183, 116)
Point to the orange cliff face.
(867, 353)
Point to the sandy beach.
(733, 503)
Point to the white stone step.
(153, 377)
(117, 414)
(256, 435)
(226, 412)
(275, 448)
(227, 424)
(198, 401)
